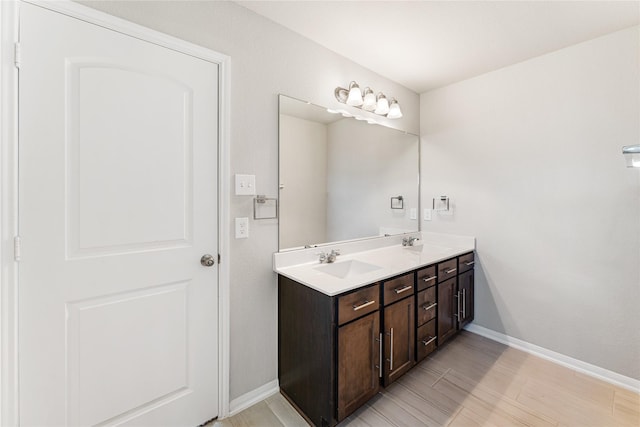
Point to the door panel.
(447, 309)
(399, 336)
(465, 284)
(358, 362)
(142, 109)
(118, 202)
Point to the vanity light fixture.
(368, 101)
(383, 105)
(632, 155)
(394, 110)
(355, 96)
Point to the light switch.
(245, 185)
(242, 228)
(427, 214)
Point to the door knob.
(207, 260)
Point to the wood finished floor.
(474, 381)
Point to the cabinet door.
(359, 349)
(447, 309)
(399, 339)
(465, 292)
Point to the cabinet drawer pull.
(428, 279)
(363, 305)
(406, 288)
(469, 263)
(430, 307)
(432, 339)
(450, 271)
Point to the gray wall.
(267, 59)
(531, 156)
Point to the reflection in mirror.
(342, 178)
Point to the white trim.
(561, 359)
(243, 402)
(224, 234)
(9, 215)
(8, 186)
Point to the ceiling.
(428, 44)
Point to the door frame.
(9, 281)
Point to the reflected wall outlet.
(427, 214)
(242, 228)
(413, 213)
(245, 185)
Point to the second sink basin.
(344, 269)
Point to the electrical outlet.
(427, 214)
(242, 228)
(413, 213)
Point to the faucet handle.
(323, 256)
(335, 251)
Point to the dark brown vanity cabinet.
(455, 295)
(399, 327)
(329, 349)
(335, 352)
(359, 349)
(358, 363)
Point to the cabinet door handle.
(429, 307)
(432, 339)
(428, 279)
(363, 305)
(391, 353)
(469, 263)
(380, 356)
(451, 271)
(406, 288)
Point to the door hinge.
(17, 248)
(17, 55)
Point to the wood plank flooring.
(474, 381)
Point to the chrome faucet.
(329, 257)
(409, 241)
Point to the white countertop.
(385, 256)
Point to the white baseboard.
(566, 361)
(241, 403)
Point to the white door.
(118, 203)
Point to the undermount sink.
(344, 269)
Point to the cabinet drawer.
(358, 303)
(465, 262)
(426, 277)
(427, 307)
(447, 269)
(426, 339)
(398, 288)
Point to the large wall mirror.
(342, 178)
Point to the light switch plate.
(245, 185)
(242, 228)
(427, 214)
